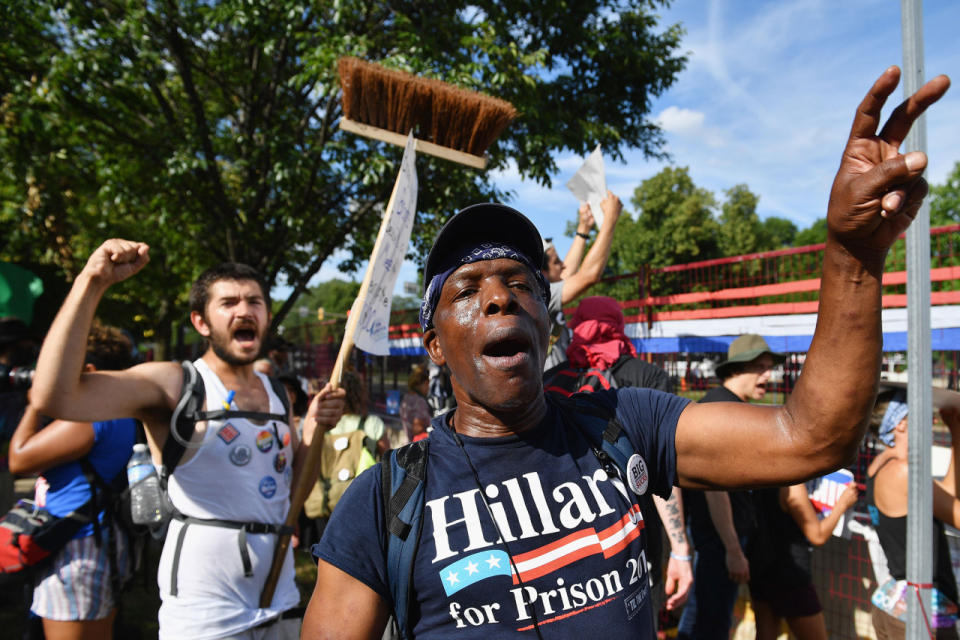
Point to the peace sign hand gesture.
(877, 190)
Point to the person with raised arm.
(525, 531)
(230, 488)
(570, 279)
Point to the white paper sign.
(374, 319)
(589, 184)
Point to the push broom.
(450, 123)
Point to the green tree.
(945, 200)
(673, 223)
(816, 233)
(209, 129)
(740, 228)
(675, 218)
(778, 232)
(334, 296)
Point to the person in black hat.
(524, 532)
(721, 523)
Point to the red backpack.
(30, 534)
(567, 380)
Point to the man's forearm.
(64, 347)
(599, 253)
(574, 256)
(829, 406)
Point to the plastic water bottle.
(146, 498)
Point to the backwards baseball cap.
(480, 231)
(745, 349)
(896, 411)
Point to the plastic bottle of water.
(146, 498)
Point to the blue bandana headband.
(896, 411)
(469, 255)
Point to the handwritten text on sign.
(374, 320)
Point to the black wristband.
(585, 236)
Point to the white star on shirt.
(493, 561)
(472, 568)
(452, 578)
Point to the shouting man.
(232, 484)
(524, 532)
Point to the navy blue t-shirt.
(575, 535)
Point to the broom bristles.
(436, 111)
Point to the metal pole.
(919, 393)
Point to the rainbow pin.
(229, 400)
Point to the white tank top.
(242, 472)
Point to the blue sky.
(767, 99)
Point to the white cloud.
(680, 121)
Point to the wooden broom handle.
(311, 463)
(305, 481)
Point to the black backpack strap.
(603, 431)
(403, 476)
(93, 506)
(281, 390)
(220, 414)
(102, 498)
(184, 419)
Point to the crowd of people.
(521, 520)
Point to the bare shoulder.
(166, 375)
(895, 470)
(890, 487)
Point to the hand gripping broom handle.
(311, 463)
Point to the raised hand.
(877, 190)
(116, 260)
(848, 498)
(585, 219)
(612, 207)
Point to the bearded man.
(231, 487)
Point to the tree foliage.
(209, 129)
(779, 232)
(816, 233)
(676, 222)
(945, 200)
(675, 219)
(740, 228)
